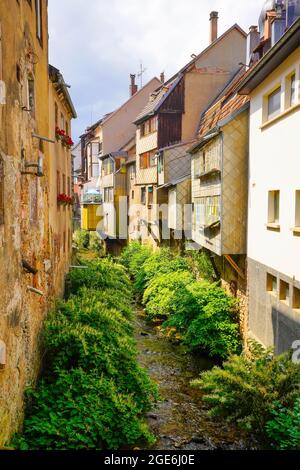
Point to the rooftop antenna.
(141, 73)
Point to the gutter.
(213, 133)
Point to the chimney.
(162, 77)
(253, 39)
(133, 87)
(214, 16)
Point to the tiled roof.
(157, 98)
(226, 104)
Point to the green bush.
(167, 294)
(81, 410)
(160, 262)
(99, 275)
(134, 256)
(81, 239)
(215, 327)
(92, 394)
(245, 388)
(283, 429)
(201, 265)
(96, 244)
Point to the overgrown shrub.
(101, 275)
(283, 429)
(159, 262)
(134, 256)
(167, 294)
(81, 239)
(201, 265)
(245, 388)
(80, 410)
(92, 394)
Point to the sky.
(96, 44)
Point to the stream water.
(180, 419)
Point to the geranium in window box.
(63, 199)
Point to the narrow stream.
(180, 419)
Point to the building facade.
(274, 189)
(171, 117)
(61, 196)
(26, 276)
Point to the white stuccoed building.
(274, 193)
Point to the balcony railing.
(91, 199)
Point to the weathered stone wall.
(237, 286)
(24, 230)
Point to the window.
(274, 205)
(160, 163)
(274, 103)
(107, 167)
(62, 120)
(293, 90)
(108, 195)
(95, 149)
(143, 195)
(95, 170)
(58, 182)
(296, 298)
(132, 194)
(297, 212)
(284, 291)
(271, 283)
(148, 159)
(69, 186)
(207, 210)
(64, 184)
(1, 191)
(56, 114)
(150, 195)
(149, 126)
(67, 128)
(31, 96)
(38, 12)
(131, 172)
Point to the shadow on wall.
(285, 330)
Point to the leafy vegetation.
(284, 428)
(245, 389)
(86, 240)
(199, 312)
(92, 394)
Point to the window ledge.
(295, 229)
(273, 226)
(280, 116)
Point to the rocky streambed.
(180, 420)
